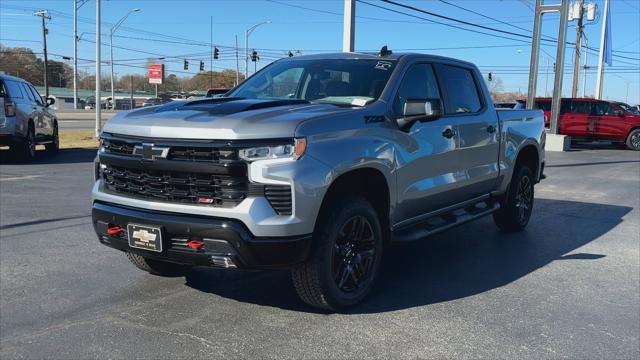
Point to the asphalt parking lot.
(568, 287)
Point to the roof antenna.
(385, 52)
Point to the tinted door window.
(418, 83)
(27, 92)
(581, 107)
(14, 89)
(36, 95)
(602, 108)
(460, 87)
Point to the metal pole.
(546, 80)
(584, 81)
(75, 54)
(349, 26)
(98, 61)
(599, 79)
(131, 90)
(237, 64)
(557, 83)
(113, 99)
(246, 54)
(535, 56)
(578, 53)
(211, 51)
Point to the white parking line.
(28, 177)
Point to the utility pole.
(546, 80)
(98, 61)
(349, 26)
(45, 15)
(237, 64)
(599, 79)
(586, 66)
(576, 59)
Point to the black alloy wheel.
(353, 254)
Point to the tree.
(23, 63)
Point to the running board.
(446, 221)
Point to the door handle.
(449, 133)
(491, 129)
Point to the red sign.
(156, 73)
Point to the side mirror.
(420, 110)
(50, 101)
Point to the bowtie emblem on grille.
(151, 152)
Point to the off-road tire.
(314, 281)
(515, 212)
(54, 145)
(633, 140)
(157, 267)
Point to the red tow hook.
(195, 244)
(114, 230)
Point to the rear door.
(427, 159)
(36, 109)
(575, 120)
(476, 159)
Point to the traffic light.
(254, 56)
(490, 77)
(290, 54)
(201, 65)
(186, 65)
(216, 53)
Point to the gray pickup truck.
(315, 164)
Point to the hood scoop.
(235, 105)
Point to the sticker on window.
(383, 65)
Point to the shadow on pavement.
(64, 156)
(463, 262)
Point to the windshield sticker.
(359, 102)
(383, 65)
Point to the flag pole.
(601, 56)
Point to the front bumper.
(228, 243)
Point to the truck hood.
(220, 119)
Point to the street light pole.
(113, 30)
(77, 4)
(246, 46)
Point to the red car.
(584, 118)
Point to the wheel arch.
(529, 155)
(367, 182)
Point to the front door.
(426, 158)
(609, 123)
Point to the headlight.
(294, 151)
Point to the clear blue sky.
(181, 29)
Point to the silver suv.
(314, 164)
(26, 119)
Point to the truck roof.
(375, 56)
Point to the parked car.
(217, 92)
(591, 119)
(26, 119)
(313, 164)
(155, 101)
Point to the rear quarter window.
(462, 95)
(14, 88)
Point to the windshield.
(626, 108)
(352, 82)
